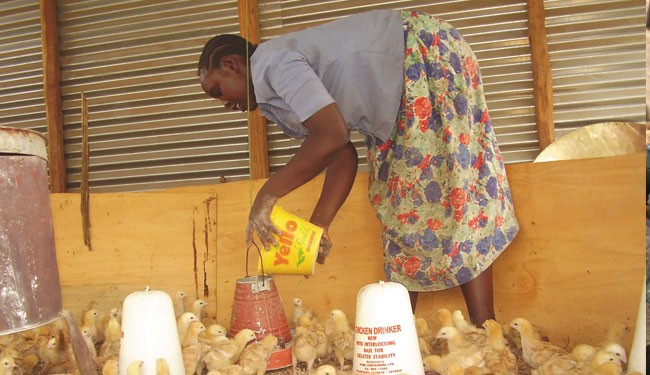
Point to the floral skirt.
(439, 185)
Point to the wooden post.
(542, 78)
(249, 28)
(52, 93)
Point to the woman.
(411, 85)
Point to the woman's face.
(228, 84)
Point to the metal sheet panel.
(152, 127)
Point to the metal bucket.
(258, 307)
(29, 276)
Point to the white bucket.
(385, 338)
(149, 332)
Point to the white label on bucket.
(376, 349)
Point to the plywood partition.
(577, 264)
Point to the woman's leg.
(478, 295)
(413, 296)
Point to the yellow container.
(297, 247)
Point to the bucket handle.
(259, 252)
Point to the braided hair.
(223, 45)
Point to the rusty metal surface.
(21, 141)
(29, 277)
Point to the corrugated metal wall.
(152, 127)
(496, 30)
(598, 58)
(21, 69)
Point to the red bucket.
(258, 307)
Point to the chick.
(254, 357)
(197, 307)
(213, 334)
(51, 352)
(562, 364)
(470, 332)
(162, 367)
(7, 365)
(424, 336)
(112, 329)
(466, 354)
(86, 334)
(111, 367)
(89, 322)
(179, 303)
(604, 363)
(325, 370)
(433, 362)
(299, 310)
(29, 363)
(498, 357)
(110, 348)
(304, 349)
(135, 368)
(343, 346)
(191, 348)
(445, 318)
(534, 351)
(183, 322)
(227, 352)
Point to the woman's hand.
(259, 221)
(325, 247)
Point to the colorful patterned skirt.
(438, 184)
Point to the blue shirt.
(356, 61)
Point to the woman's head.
(223, 69)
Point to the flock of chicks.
(456, 348)
(514, 348)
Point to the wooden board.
(166, 242)
(577, 264)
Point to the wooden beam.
(249, 28)
(52, 94)
(542, 77)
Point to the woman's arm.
(328, 135)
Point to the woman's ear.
(230, 62)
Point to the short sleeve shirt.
(355, 62)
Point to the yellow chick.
(111, 367)
(179, 303)
(135, 368)
(29, 363)
(464, 353)
(254, 357)
(214, 333)
(162, 367)
(604, 363)
(534, 351)
(7, 365)
(299, 310)
(444, 317)
(51, 351)
(469, 330)
(86, 333)
(191, 348)
(343, 347)
(112, 329)
(498, 357)
(325, 370)
(424, 336)
(89, 322)
(197, 307)
(183, 322)
(227, 352)
(304, 349)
